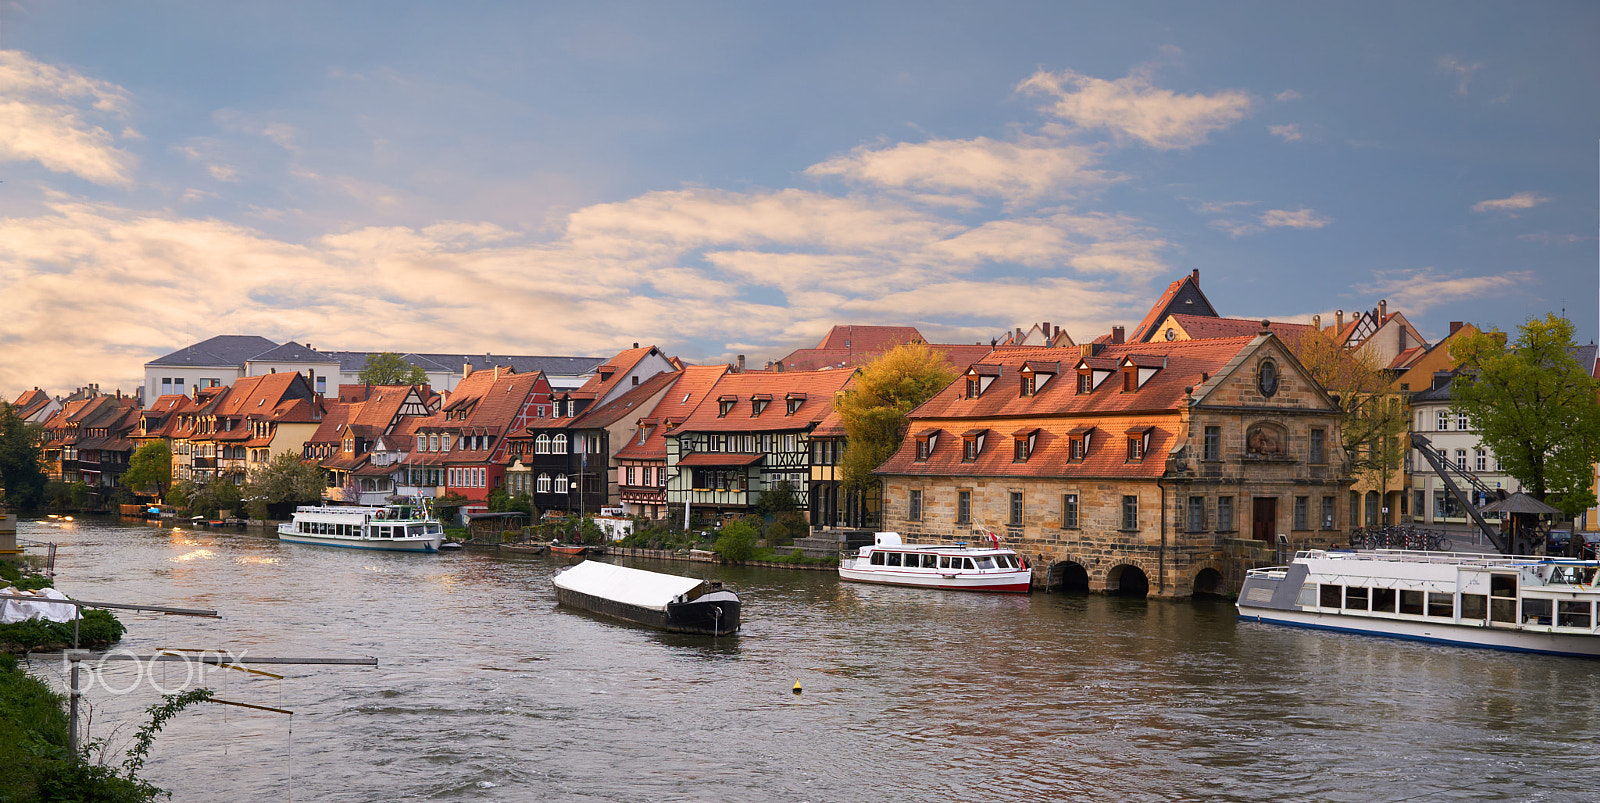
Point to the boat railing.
(1426, 556)
(1271, 572)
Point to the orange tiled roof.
(814, 388)
(690, 387)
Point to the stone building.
(1166, 468)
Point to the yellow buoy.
(797, 687)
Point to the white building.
(1452, 434)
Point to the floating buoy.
(797, 687)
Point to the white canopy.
(16, 610)
(630, 586)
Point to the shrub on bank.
(96, 630)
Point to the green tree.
(216, 495)
(876, 408)
(386, 368)
(285, 479)
(22, 480)
(737, 543)
(150, 466)
(1375, 417)
(1535, 407)
(777, 500)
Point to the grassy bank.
(96, 630)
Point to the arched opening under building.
(1208, 583)
(1128, 581)
(1069, 578)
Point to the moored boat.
(393, 528)
(1518, 603)
(662, 601)
(960, 567)
(558, 548)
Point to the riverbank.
(706, 556)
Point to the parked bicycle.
(1399, 536)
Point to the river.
(486, 690)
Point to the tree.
(285, 480)
(386, 368)
(876, 409)
(737, 543)
(777, 500)
(1535, 407)
(1375, 417)
(22, 480)
(150, 466)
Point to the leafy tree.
(150, 466)
(386, 368)
(285, 479)
(217, 494)
(1375, 417)
(737, 543)
(876, 408)
(777, 500)
(22, 480)
(1535, 407)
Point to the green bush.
(96, 629)
(737, 543)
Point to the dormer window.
(972, 444)
(1027, 382)
(1078, 443)
(794, 402)
(972, 387)
(1085, 382)
(725, 405)
(1138, 443)
(926, 441)
(758, 403)
(1130, 380)
(1023, 442)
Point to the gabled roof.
(816, 388)
(1182, 296)
(293, 352)
(608, 375)
(222, 351)
(690, 386)
(30, 402)
(627, 405)
(1206, 327)
(848, 346)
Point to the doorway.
(1263, 517)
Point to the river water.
(486, 690)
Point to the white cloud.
(42, 120)
(1289, 133)
(1461, 70)
(1297, 219)
(1287, 94)
(1512, 205)
(980, 166)
(1134, 107)
(1418, 290)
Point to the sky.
(735, 178)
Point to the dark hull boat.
(662, 601)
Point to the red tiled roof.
(690, 387)
(1163, 306)
(1107, 455)
(818, 387)
(719, 459)
(627, 404)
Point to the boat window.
(1503, 598)
(1474, 607)
(877, 558)
(986, 562)
(1502, 585)
(944, 561)
(1441, 605)
(1575, 613)
(894, 558)
(1536, 612)
(930, 561)
(1355, 598)
(1383, 600)
(1411, 602)
(969, 564)
(1308, 595)
(1008, 561)
(1331, 595)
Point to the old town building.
(1167, 466)
(642, 459)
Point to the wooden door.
(1263, 518)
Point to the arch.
(1374, 508)
(1127, 580)
(543, 483)
(1266, 439)
(1068, 577)
(541, 444)
(561, 483)
(1208, 582)
(559, 444)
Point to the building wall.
(192, 375)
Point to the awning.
(719, 459)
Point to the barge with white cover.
(391, 528)
(959, 567)
(662, 601)
(1519, 603)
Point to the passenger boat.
(959, 567)
(662, 601)
(395, 528)
(1519, 603)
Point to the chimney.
(1195, 276)
(1383, 309)
(635, 345)
(466, 370)
(741, 363)
(1316, 322)
(1044, 329)
(1455, 326)
(1338, 320)
(1116, 335)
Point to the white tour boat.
(396, 528)
(1520, 603)
(959, 567)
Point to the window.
(558, 444)
(1136, 448)
(1028, 384)
(1225, 514)
(1020, 450)
(793, 404)
(1213, 444)
(1130, 512)
(1461, 422)
(914, 509)
(1197, 514)
(1444, 421)
(541, 444)
(1079, 447)
(1016, 509)
(922, 449)
(1069, 511)
(1085, 382)
(561, 483)
(1130, 380)
(1302, 505)
(969, 449)
(1461, 459)
(1327, 512)
(963, 507)
(1317, 453)
(630, 476)
(724, 406)
(444, 442)
(1480, 460)
(973, 387)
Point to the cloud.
(1289, 133)
(1285, 95)
(1420, 289)
(980, 166)
(1135, 108)
(1298, 219)
(43, 120)
(1512, 205)
(1461, 70)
